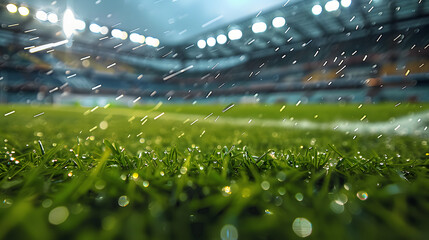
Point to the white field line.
(416, 124)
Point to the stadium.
(228, 119)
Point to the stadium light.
(235, 34)
(104, 30)
(79, 24)
(332, 6)
(259, 27)
(116, 33)
(201, 43)
(211, 41)
(137, 38)
(151, 41)
(278, 22)
(12, 8)
(221, 39)
(24, 11)
(52, 18)
(95, 28)
(68, 23)
(42, 15)
(346, 3)
(316, 10)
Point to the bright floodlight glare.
(42, 15)
(124, 35)
(137, 38)
(279, 22)
(317, 10)
(79, 25)
(221, 39)
(235, 34)
(155, 42)
(201, 43)
(211, 41)
(52, 18)
(12, 8)
(332, 5)
(346, 3)
(151, 41)
(259, 27)
(104, 30)
(68, 23)
(116, 33)
(24, 11)
(95, 28)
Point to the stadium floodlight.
(211, 41)
(346, 3)
(316, 10)
(95, 28)
(235, 34)
(104, 30)
(151, 41)
(259, 27)
(24, 11)
(116, 33)
(12, 8)
(221, 39)
(137, 38)
(52, 18)
(332, 6)
(79, 24)
(278, 22)
(155, 42)
(41, 15)
(68, 23)
(201, 43)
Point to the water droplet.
(229, 232)
(226, 191)
(362, 195)
(265, 185)
(123, 201)
(183, 170)
(302, 227)
(104, 125)
(145, 184)
(299, 197)
(47, 203)
(58, 215)
(336, 207)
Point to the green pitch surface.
(215, 172)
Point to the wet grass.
(119, 173)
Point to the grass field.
(210, 172)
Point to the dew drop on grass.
(226, 191)
(7, 202)
(362, 195)
(58, 215)
(299, 197)
(302, 227)
(183, 170)
(145, 184)
(281, 176)
(229, 232)
(123, 201)
(47, 203)
(265, 185)
(104, 125)
(336, 207)
(268, 212)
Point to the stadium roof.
(190, 30)
(172, 21)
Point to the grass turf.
(155, 172)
